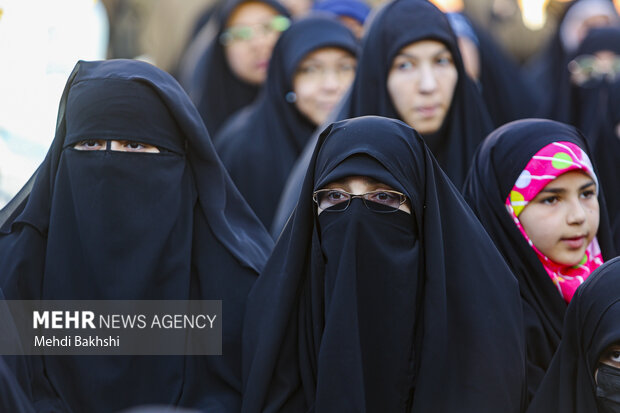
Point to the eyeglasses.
(245, 33)
(584, 68)
(315, 72)
(336, 200)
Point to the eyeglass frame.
(269, 27)
(364, 200)
(579, 78)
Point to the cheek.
(398, 89)
(448, 82)
(595, 216)
(538, 225)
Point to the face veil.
(119, 225)
(326, 336)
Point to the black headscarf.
(605, 144)
(141, 226)
(396, 25)
(213, 87)
(261, 143)
(497, 165)
(361, 311)
(547, 72)
(505, 92)
(590, 326)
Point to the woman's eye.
(444, 61)
(336, 196)
(588, 194)
(383, 197)
(132, 146)
(308, 69)
(404, 65)
(90, 145)
(550, 200)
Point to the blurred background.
(41, 40)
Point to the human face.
(358, 185)
(321, 79)
(120, 146)
(563, 218)
(248, 58)
(421, 83)
(611, 357)
(603, 64)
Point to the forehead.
(327, 54)
(570, 179)
(424, 48)
(356, 181)
(250, 13)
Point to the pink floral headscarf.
(550, 162)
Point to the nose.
(331, 80)
(428, 81)
(577, 213)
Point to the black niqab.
(590, 326)
(142, 226)
(361, 311)
(497, 165)
(262, 142)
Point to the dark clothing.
(260, 144)
(109, 225)
(497, 165)
(396, 25)
(364, 311)
(590, 326)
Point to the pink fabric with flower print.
(550, 162)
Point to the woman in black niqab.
(207, 75)
(498, 163)
(363, 311)
(590, 327)
(582, 97)
(261, 143)
(112, 225)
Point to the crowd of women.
(395, 221)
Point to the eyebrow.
(405, 54)
(561, 190)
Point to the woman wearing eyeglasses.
(384, 292)
(223, 72)
(313, 65)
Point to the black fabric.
(605, 144)
(393, 27)
(361, 311)
(505, 91)
(546, 72)
(262, 142)
(594, 109)
(497, 165)
(583, 106)
(117, 225)
(590, 326)
(214, 88)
